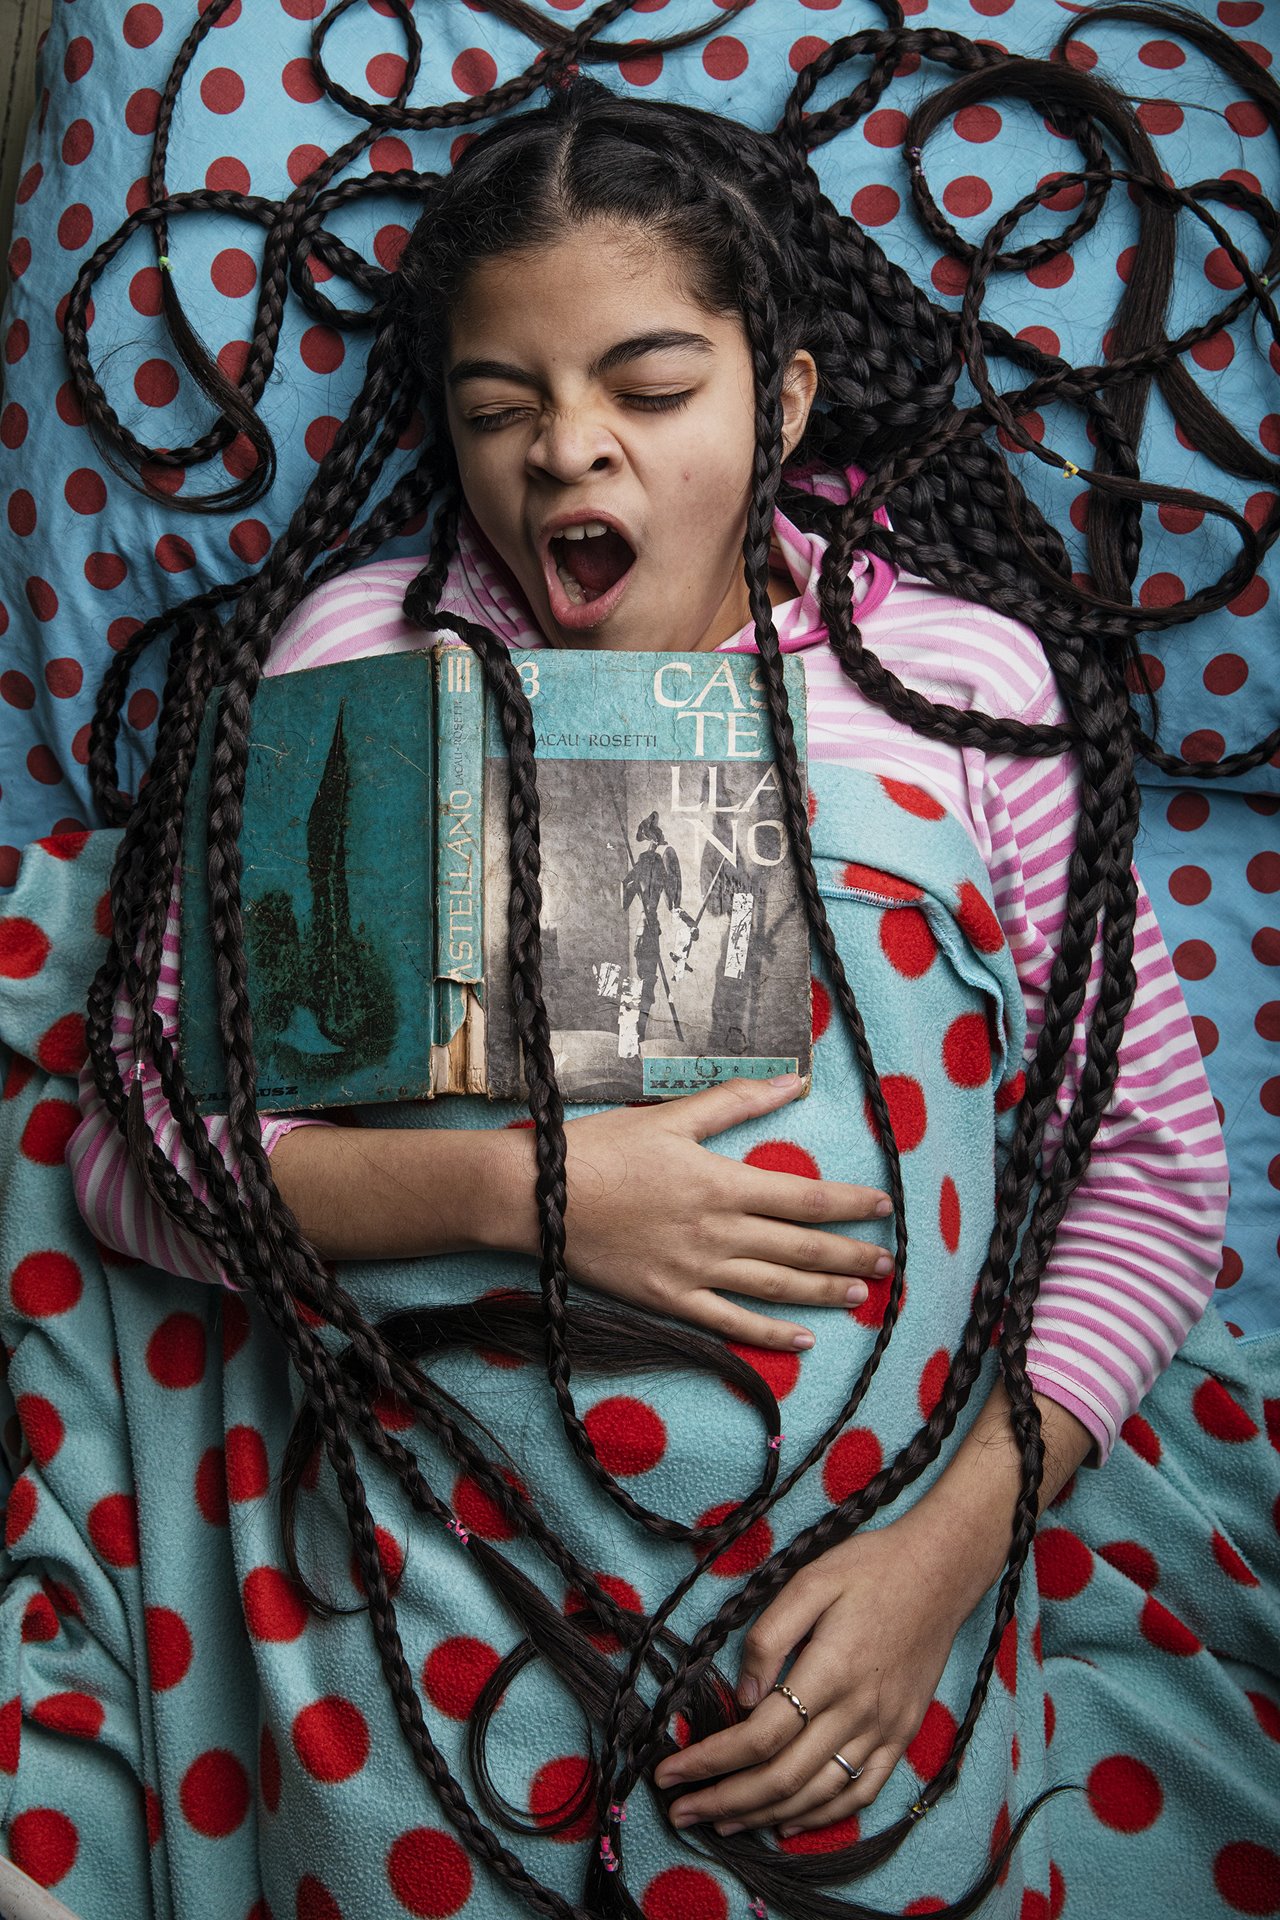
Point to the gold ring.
(854, 1773)
(796, 1702)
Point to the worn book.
(375, 882)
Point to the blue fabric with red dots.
(87, 559)
(172, 1720)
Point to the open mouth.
(589, 562)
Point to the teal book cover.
(375, 882)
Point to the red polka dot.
(22, 513)
(841, 1833)
(43, 1284)
(1141, 1436)
(873, 1309)
(976, 920)
(1194, 959)
(783, 1156)
(211, 1487)
(746, 1552)
(1249, 600)
(248, 1471)
(724, 58)
(1164, 1630)
(1263, 872)
(622, 1593)
(113, 1529)
(978, 124)
(885, 127)
(169, 1647)
(913, 799)
(300, 83)
(175, 553)
(11, 1734)
(429, 1873)
(1064, 1565)
(1219, 1414)
(142, 111)
(932, 1380)
(142, 25)
(1265, 946)
(456, 1672)
(1246, 118)
(683, 1893)
(908, 1116)
(20, 1509)
(949, 1214)
(43, 766)
(1232, 1564)
(474, 71)
(885, 886)
(314, 1900)
(43, 1843)
(641, 69)
(1247, 1876)
(214, 1794)
(77, 1714)
(42, 1426)
(320, 435)
(628, 1436)
(479, 1512)
(1189, 885)
(1265, 1710)
(331, 1739)
(16, 341)
(222, 90)
(966, 196)
(1135, 1562)
(875, 206)
(274, 1608)
(48, 1129)
(250, 540)
(389, 243)
(13, 426)
(234, 272)
(63, 1048)
(558, 1786)
(24, 947)
(1187, 811)
(1158, 117)
(907, 942)
(855, 1459)
(41, 598)
(779, 1371)
(1124, 1794)
(928, 1752)
(155, 383)
(176, 1351)
(966, 1051)
(385, 74)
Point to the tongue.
(598, 562)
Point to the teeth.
(589, 530)
(571, 586)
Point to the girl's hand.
(661, 1221)
(871, 1623)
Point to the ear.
(799, 387)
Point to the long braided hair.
(747, 214)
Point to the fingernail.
(684, 1819)
(785, 1080)
(785, 1833)
(748, 1691)
(728, 1827)
(802, 1342)
(856, 1295)
(883, 1266)
(882, 1209)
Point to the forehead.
(581, 292)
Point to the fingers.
(811, 1250)
(746, 1329)
(790, 1286)
(702, 1114)
(817, 1203)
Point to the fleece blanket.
(180, 1737)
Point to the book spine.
(459, 930)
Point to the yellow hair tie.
(1070, 469)
(163, 263)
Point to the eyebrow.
(613, 357)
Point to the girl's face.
(604, 424)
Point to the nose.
(570, 444)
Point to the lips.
(587, 562)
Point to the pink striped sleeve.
(1140, 1245)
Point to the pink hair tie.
(758, 1909)
(459, 1531)
(607, 1857)
(776, 1442)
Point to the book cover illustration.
(675, 948)
(375, 882)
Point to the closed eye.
(499, 417)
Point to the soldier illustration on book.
(653, 877)
(737, 894)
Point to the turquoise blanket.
(180, 1738)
